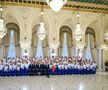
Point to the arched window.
(11, 41)
(65, 48)
(90, 43)
(39, 48)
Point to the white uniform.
(15, 67)
(22, 65)
(18, 66)
(6, 67)
(1, 66)
(26, 65)
(79, 67)
(66, 66)
(11, 67)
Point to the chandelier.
(78, 34)
(3, 29)
(41, 32)
(56, 5)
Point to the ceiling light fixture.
(78, 34)
(42, 33)
(56, 5)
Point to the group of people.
(72, 65)
(46, 66)
(24, 67)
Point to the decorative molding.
(70, 5)
(25, 45)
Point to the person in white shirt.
(26, 68)
(18, 68)
(6, 69)
(11, 69)
(22, 68)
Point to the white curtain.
(88, 50)
(11, 51)
(65, 48)
(39, 51)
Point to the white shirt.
(11, 67)
(22, 65)
(6, 68)
(1, 67)
(18, 67)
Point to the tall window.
(11, 51)
(65, 48)
(90, 43)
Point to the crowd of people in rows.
(72, 65)
(46, 66)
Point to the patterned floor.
(69, 82)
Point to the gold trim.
(70, 5)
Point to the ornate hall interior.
(34, 28)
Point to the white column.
(3, 53)
(53, 48)
(81, 52)
(73, 51)
(104, 60)
(48, 51)
(76, 51)
(97, 61)
(25, 48)
(0, 49)
(100, 59)
(53, 51)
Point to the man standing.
(47, 68)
